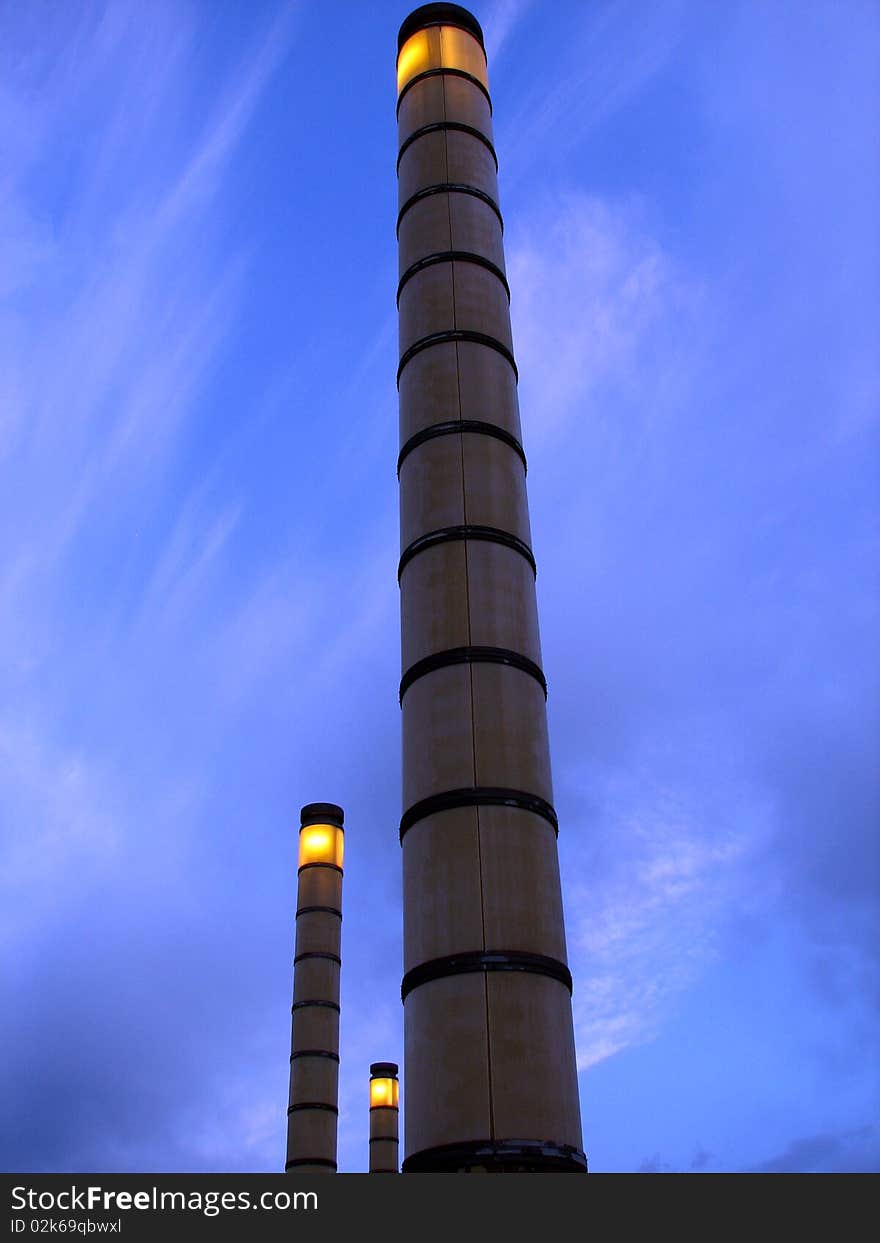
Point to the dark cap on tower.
(383, 1070)
(321, 813)
(440, 15)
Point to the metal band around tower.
(452, 256)
(332, 867)
(469, 656)
(456, 427)
(445, 71)
(324, 1161)
(444, 127)
(465, 531)
(456, 334)
(449, 187)
(477, 796)
(484, 960)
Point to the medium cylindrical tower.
(314, 1057)
(384, 1090)
(491, 1080)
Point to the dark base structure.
(497, 1157)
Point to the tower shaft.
(384, 1141)
(490, 1072)
(314, 1055)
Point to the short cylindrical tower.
(384, 1110)
(314, 1057)
(491, 1080)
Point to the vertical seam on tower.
(473, 722)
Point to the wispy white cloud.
(598, 309)
(499, 20)
(647, 932)
(595, 297)
(59, 817)
(192, 550)
(67, 812)
(119, 290)
(602, 61)
(116, 313)
(208, 161)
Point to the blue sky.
(198, 602)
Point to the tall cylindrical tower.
(314, 1056)
(384, 1099)
(490, 1071)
